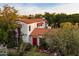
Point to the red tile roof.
(39, 32)
(28, 21)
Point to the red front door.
(34, 42)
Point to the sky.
(41, 8)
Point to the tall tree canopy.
(61, 18)
(8, 15)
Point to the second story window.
(29, 28)
(39, 24)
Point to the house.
(32, 30)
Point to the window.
(29, 28)
(39, 24)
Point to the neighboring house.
(32, 30)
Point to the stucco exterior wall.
(25, 30)
(26, 33)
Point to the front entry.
(34, 41)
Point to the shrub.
(66, 25)
(65, 40)
(28, 46)
(3, 52)
(34, 52)
(12, 53)
(24, 47)
(43, 43)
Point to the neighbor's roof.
(39, 32)
(28, 21)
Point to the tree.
(49, 17)
(31, 17)
(23, 16)
(8, 17)
(38, 15)
(60, 18)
